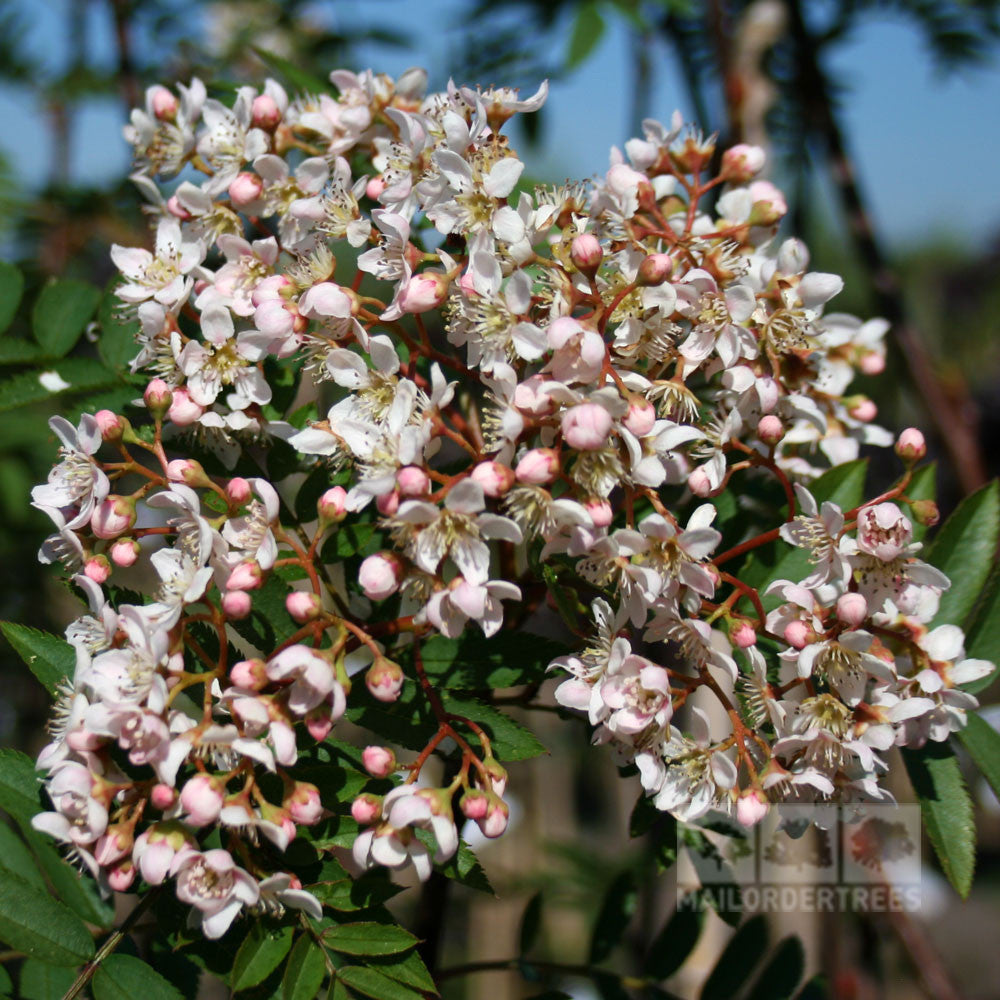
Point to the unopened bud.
(863, 409)
(379, 762)
(600, 511)
(366, 809)
(265, 112)
(303, 804)
(413, 481)
(641, 416)
(586, 253)
(158, 397)
(245, 189)
(910, 445)
(770, 429)
(247, 575)
(332, 505)
(852, 609)
(384, 679)
(798, 634)
(187, 471)
(380, 575)
(654, 270)
(124, 552)
(872, 363)
(742, 162)
(303, 606)
(925, 512)
(183, 410)
(751, 807)
(250, 675)
(111, 425)
(162, 796)
(538, 466)
(474, 804)
(97, 568)
(494, 477)
(237, 604)
(374, 188)
(424, 291)
(162, 103)
(743, 635)
(238, 491)
(699, 483)
(121, 877)
(113, 516)
(388, 503)
(586, 426)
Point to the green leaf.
(41, 927)
(408, 969)
(11, 290)
(531, 923)
(982, 639)
(474, 662)
(15, 351)
(81, 895)
(260, 954)
(48, 657)
(300, 79)
(964, 549)
(74, 375)
(19, 787)
(16, 858)
(305, 971)
(61, 312)
(368, 938)
(375, 984)
(125, 977)
(983, 743)
(509, 739)
(465, 868)
(946, 810)
(44, 982)
(347, 894)
(117, 343)
(588, 29)
(674, 943)
(737, 961)
(781, 975)
(616, 911)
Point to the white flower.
(163, 275)
(77, 484)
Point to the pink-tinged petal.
(387, 850)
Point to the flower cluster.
(523, 392)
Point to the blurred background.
(882, 121)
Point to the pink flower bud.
(600, 512)
(586, 426)
(113, 516)
(494, 477)
(872, 363)
(124, 552)
(864, 410)
(770, 429)
(237, 604)
(741, 162)
(303, 606)
(319, 722)
(374, 188)
(424, 291)
(121, 877)
(641, 416)
(852, 609)
(655, 269)
(497, 774)
(332, 505)
(238, 490)
(303, 804)
(366, 809)
(110, 425)
(538, 466)
(586, 253)
(413, 481)
(797, 634)
(497, 816)
(97, 568)
(250, 675)
(245, 189)
(925, 512)
(247, 575)
(184, 411)
(379, 762)
(388, 503)
(743, 635)
(158, 397)
(769, 205)
(380, 575)
(751, 807)
(265, 112)
(911, 446)
(162, 103)
(202, 798)
(384, 679)
(176, 209)
(699, 483)
(474, 804)
(162, 796)
(187, 471)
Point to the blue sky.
(927, 146)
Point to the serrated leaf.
(33, 922)
(946, 809)
(48, 657)
(464, 867)
(982, 640)
(40, 981)
(305, 970)
(509, 739)
(408, 969)
(62, 310)
(261, 952)
(737, 961)
(81, 895)
(11, 290)
(964, 550)
(368, 938)
(68, 375)
(16, 858)
(983, 743)
(300, 79)
(671, 947)
(780, 977)
(616, 911)
(476, 662)
(372, 983)
(19, 787)
(125, 977)
(531, 922)
(347, 894)
(588, 29)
